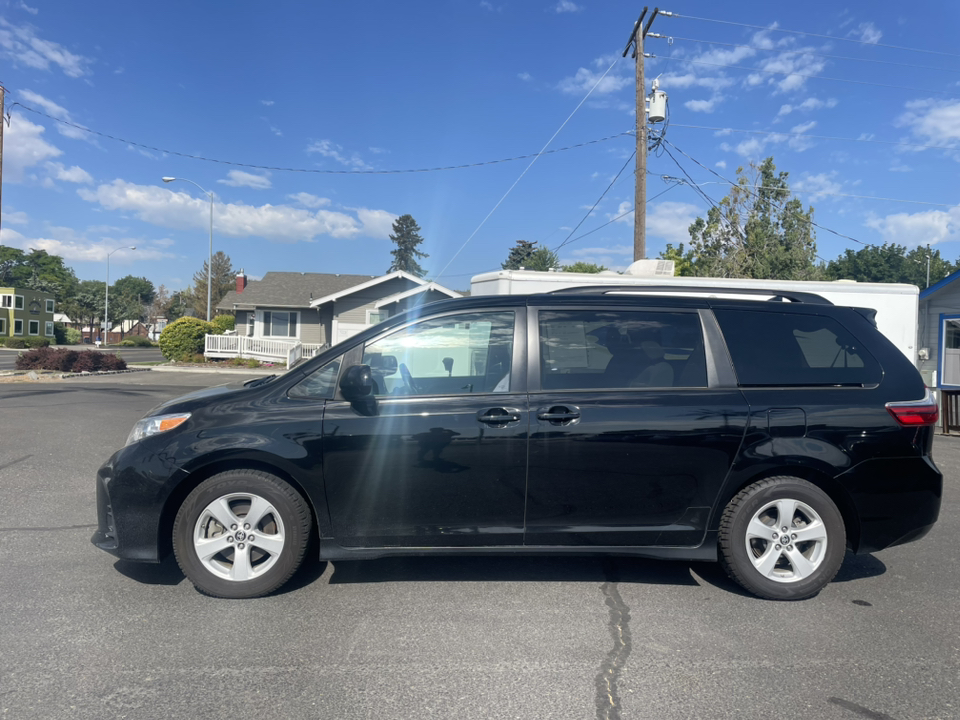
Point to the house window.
(34, 326)
(18, 327)
(3, 326)
(18, 302)
(376, 316)
(279, 324)
(49, 306)
(6, 301)
(49, 328)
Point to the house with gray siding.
(323, 308)
(939, 333)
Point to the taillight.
(916, 412)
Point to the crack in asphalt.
(859, 709)
(15, 461)
(608, 695)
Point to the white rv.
(896, 305)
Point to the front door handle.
(559, 414)
(499, 417)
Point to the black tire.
(782, 574)
(259, 566)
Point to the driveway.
(85, 636)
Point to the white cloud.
(239, 178)
(78, 248)
(620, 214)
(866, 32)
(818, 186)
(376, 223)
(615, 257)
(669, 221)
(308, 200)
(786, 71)
(21, 44)
(15, 218)
(706, 106)
(566, 6)
(922, 228)
(584, 79)
(268, 103)
(73, 174)
(808, 105)
(804, 127)
(31, 10)
(57, 111)
(722, 164)
(24, 147)
(525, 76)
(331, 150)
(935, 121)
(282, 223)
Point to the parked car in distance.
(769, 434)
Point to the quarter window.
(450, 355)
(320, 384)
(783, 349)
(597, 350)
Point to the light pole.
(106, 302)
(210, 258)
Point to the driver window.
(450, 355)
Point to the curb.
(219, 371)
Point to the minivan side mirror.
(357, 382)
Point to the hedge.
(19, 343)
(225, 322)
(184, 338)
(64, 360)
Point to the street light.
(210, 259)
(106, 303)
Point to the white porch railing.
(289, 351)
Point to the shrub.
(36, 342)
(136, 341)
(64, 360)
(14, 342)
(60, 333)
(225, 322)
(184, 338)
(73, 337)
(244, 362)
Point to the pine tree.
(224, 280)
(527, 255)
(406, 236)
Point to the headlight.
(156, 424)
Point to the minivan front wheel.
(782, 538)
(241, 534)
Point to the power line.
(526, 169)
(805, 52)
(790, 74)
(840, 194)
(817, 137)
(810, 34)
(605, 191)
(317, 170)
(801, 216)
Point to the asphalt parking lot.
(85, 636)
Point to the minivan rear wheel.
(782, 538)
(241, 534)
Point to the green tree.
(682, 261)
(527, 255)
(584, 267)
(87, 305)
(406, 236)
(890, 263)
(37, 270)
(223, 281)
(756, 231)
(138, 288)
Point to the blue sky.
(378, 86)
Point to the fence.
(286, 351)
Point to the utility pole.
(640, 192)
(3, 93)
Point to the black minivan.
(771, 434)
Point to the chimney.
(241, 281)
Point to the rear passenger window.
(598, 350)
(770, 348)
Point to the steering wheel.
(408, 379)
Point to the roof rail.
(778, 295)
